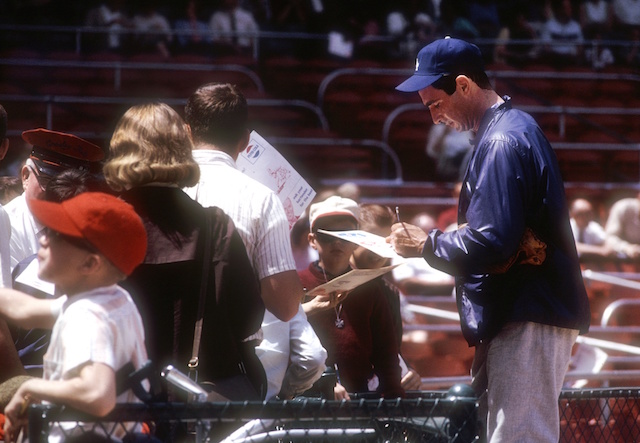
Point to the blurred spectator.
(515, 44)
(454, 20)
(192, 32)
(110, 15)
(412, 24)
(596, 14)
(597, 54)
(450, 149)
(562, 36)
(10, 188)
(589, 235)
(233, 29)
(153, 31)
(290, 16)
(623, 226)
(631, 55)
(484, 16)
(626, 15)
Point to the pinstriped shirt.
(255, 209)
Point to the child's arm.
(92, 391)
(26, 311)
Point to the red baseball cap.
(111, 225)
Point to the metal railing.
(437, 417)
(586, 415)
(119, 67)
(50, 100)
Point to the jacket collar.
(490, 117)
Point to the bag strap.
(204, 283)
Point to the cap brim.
(45, 168)
(417, 82)
(53, 216)
(334, 214)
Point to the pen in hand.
(406, 231)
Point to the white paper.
(262, 162)
(350, 280)
(372, 242)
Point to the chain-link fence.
(594, 416)
(436, 417)
(598, 416)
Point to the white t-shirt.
(103, 326)
(244, 22)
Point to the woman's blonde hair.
(151, 144)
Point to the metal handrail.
(614, 306)
(322, 141)
(51, 99)
(119, 66)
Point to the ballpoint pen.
(398, 220)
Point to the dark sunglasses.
(43, 180)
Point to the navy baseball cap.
(439, 58)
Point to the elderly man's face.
(32, 187)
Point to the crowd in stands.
(594, 33)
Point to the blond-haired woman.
(150, 162)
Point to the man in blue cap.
(520, 294)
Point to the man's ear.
(24, 175)
(4, 147)
(463, 83)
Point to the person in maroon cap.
(519, 287)
(52, 152)
(91, 242)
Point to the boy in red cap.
(91, 242)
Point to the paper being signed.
(372, 242)
(350, 280)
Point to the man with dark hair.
(519, 288)
(218, 116)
